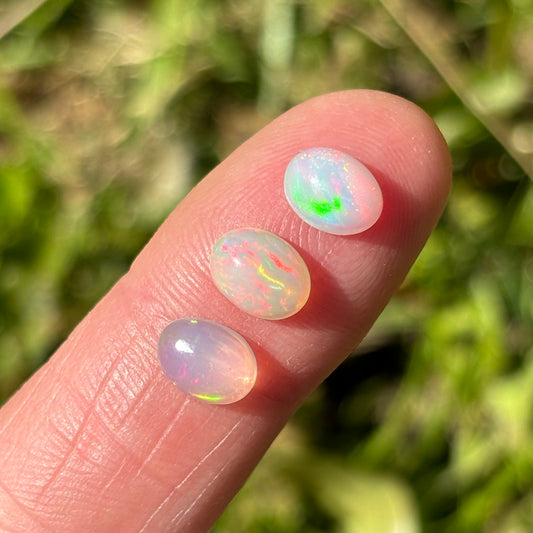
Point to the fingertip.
(131, 422)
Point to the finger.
(99, 436)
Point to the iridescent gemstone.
(207, 360)
(260, 273)
(332, 191)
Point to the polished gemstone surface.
(260, 273)
(207, 360)
(332, 191)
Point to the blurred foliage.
(110, 110)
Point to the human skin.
(99, 440)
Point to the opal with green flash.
(332, 191)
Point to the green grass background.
(111, 110)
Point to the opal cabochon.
(260, 273)
(332, 191)
(207, 360)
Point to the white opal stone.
(207, 360)
(260, 273)
(332, 191)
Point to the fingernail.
(207, 360)
(332, 191)
(260, 273)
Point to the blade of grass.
(432, 38)
(15, 14)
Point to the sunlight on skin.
(99, 435)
